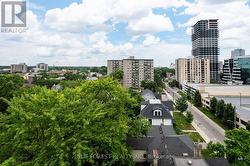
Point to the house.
(157, 112)
(160, 145)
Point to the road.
(207, 128)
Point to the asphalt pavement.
(208, 129)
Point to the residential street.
(208, 129)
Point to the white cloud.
(150, 24)
(150, 39)
(76, 17)
(233, 18)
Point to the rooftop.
(242, 105)
(147, 95)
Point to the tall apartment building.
(237, 52)
(193, 70)
(134, 70)
(19, 68)
(205, 36)
(114, 65)
(42, 66)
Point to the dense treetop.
(69, 127)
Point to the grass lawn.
(195, 137)
(213, 117)
(181, 122)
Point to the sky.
(89, 32)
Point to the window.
(157, 113)
(243, 122)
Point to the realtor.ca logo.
(13, 16)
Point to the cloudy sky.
(88, 32)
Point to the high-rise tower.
(205, 35)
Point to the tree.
(188, 94)
(213, 103)
(197, 99)
(181, 104)
(137, 104)
(173, 83)
(71, 76)
(237, 146)
(71, 83)
(151, 85)
(118, 75)
(159, 75)
(70, 127)
(190, 117)
(215, 150)
(46, 82)
(103, 70)
(228, 115)
(9, 86)
(248, 126)
(220, 106)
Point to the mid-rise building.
(237, 70)
(238, 52)
(19, 68)
(42, 66)
(134, 70)
(192, 70)
(205, 36)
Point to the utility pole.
(240, 98)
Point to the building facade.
(134, 70)
(237, 70)
(42, 66)
(114, 65)
(205, 36)
(238, 52)
(192, 70)
(19, 68)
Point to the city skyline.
(158, 30)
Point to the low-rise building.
(237, 95)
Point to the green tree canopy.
(189, 117)
(10, 84)
(237, 147)
(215, 150)
(181, 104)
(228, 115)
(118, 75)
(69, 127)
(151, 85)
(248, 126)
(197, 99)
(173, 83)
(213, 103)
(71, 76)
(220, 107)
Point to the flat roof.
(242, 105)
(222, 89)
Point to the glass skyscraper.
(205, 36)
